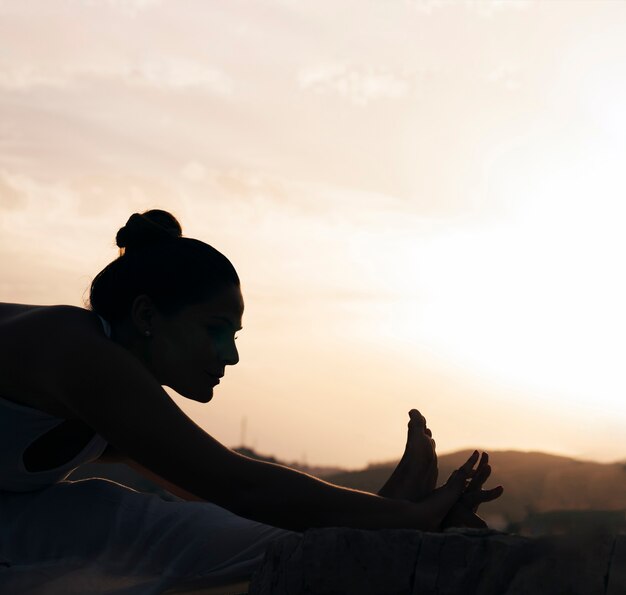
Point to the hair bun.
(144, 229)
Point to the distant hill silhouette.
(534, 482)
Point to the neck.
(126, 336)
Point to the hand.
(416, 475)
(445, 499)
(463, 513)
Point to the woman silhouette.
(80, 385)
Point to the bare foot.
(416, 474)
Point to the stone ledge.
(348, 561)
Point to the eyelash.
(221, 332)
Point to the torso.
(24, 374)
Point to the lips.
(216, 379)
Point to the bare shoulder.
(37, 340)
(68, 348)
(34, 345)
(28, 318)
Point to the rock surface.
(467, 562)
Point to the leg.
(94, 536)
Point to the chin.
(203, 396)
(200, 397)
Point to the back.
(22, 420)
(30, 337)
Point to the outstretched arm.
(457, 516)
(111, 391)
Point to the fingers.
(484, 460)
(449, 494)
(474, 499)
(481, 475)
(492, 494)
(468, 467)
(474, 495)
(458, 479)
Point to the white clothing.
(20, 426)
(98, 537)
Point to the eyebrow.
(227, 321)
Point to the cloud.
(127, 7)
(10, 196)
(86, 196)
(358, 85)
(261, 192)
(16, 77)
(99, 194)
(167, 74)
(492, 7)
(181, 74)
(428, 6)
(193, 171)
(484, 8)
(253, 185)
(505, 75)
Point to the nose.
(230, 356)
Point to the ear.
(143, 313)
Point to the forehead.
(227, 303)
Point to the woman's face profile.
(189, 350)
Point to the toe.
(416, 418)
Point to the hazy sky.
(425, 201)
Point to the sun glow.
(535, 300)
